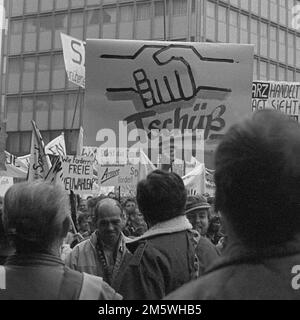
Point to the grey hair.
(36, 215)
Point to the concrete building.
(34, 84)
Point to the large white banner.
(154, 85)
(74, 57)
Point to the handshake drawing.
(163, 74)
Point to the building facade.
(34, 83)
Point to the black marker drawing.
(175, 86)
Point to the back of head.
(36, 215)
(161, 196)
(258, 179)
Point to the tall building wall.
(34, 80)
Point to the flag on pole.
(57, 146)
(39, 161)
(194, 181)
(80, 142)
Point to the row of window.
(50, 111)
(18, 143)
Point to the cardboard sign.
(156, 85)
(74, 57)
(277, 95)
(118, 175)
(78, 174)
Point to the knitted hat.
(196, 202)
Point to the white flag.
(57, 147)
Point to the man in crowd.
(104, 253)
(258, 194)
(197, 211)
(37, 217)
(164, 257)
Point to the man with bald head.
(104, 252)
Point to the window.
(16, 7)
(210, 21)
(58, 76)
(143, 11)
(15, 37)
(273, 10)
(46, 26)
(28, 74)
(179, 7)
(31, 6)
(244, 28)
(12, 113)
(126, 13)
(57, 112)
(254, 34)
(60, 25)
(42, 111)
(14, 72)
(255, 6)
(27, 113)
(282, 12)
(92, 2)
(62, 4)
(46, 5)
(264, 9)
(109, 15)
(43, 80)
(233, 27)
(234, 2)
(281, 74)
(298, 76)
(298, 51)
(159, 8)
(222, 27)
(93, 24)
(30, 35)
(290, 75)
(272, 69)
(282, 46)
(255, 69)
(245, 4)
(77, 3)
(264, 39)
(291, 50)
(263, 70)
(13, 143)
(25, 138)
(273, 43)
(76, 28)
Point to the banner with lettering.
(118, 175)
(78, 174)
(74, 57)
(154, 85)
(278, 95)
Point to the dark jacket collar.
(33, 260)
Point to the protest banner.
(277, 95)
(157, 85)
(78, 174)
(5, 184)
(74, 57)
(57, 146)
(118, 175)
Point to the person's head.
(108, 221)
(161, 196)
(83, 205)
(112, 195)
(214, 225)
(36, 215)
(258, 179)
(197, 211)
(130, 206)
(83, 221)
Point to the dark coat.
(162, 261)
(243, 274)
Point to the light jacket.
(84, 258)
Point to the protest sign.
(78, 174)
(277, 95)
(74, 57)
(57, 146)
(118, 175)
(157, 85)
(5, 184)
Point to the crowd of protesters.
(163, 243)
